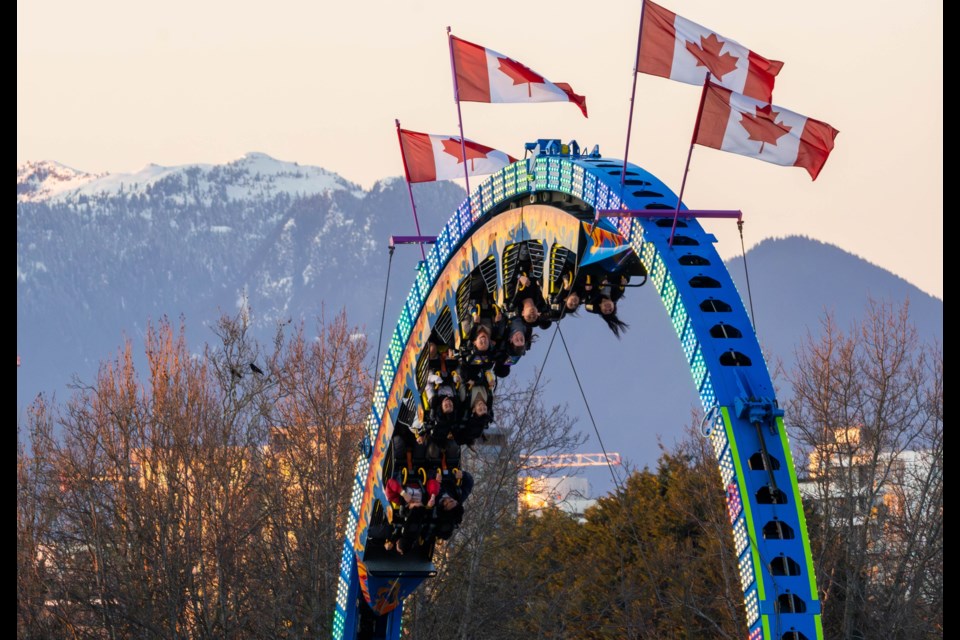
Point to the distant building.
(846, 477)
(855, 486)
(570, 494)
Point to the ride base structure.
(554, 198)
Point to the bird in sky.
(256, 369)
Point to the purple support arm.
(421, 240)
(663, 213)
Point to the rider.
(455, 489)
(412, 502)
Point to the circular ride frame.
(548, 197)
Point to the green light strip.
(766, 626)
(800, 515)
(744, 502)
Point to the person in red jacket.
(412, 504)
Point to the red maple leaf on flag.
(520, 74)
(763, 126)
(708, 55)
(474, 150)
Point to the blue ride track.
(553, 197)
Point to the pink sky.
(112, 85)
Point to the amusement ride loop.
(553, 198)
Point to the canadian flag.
(483, 75)
(733, 122)
(430, 157)
(673, 47)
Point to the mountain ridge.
(95, 266)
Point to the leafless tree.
(867, 410)
(466, 599)
(323, 398)
(38, 588)
(203, 502)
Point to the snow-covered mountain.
(256, 176)
(100, 255)
(41, 181)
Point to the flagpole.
(406, 174)
(693, 141)
(456, 97)
(633, 94)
